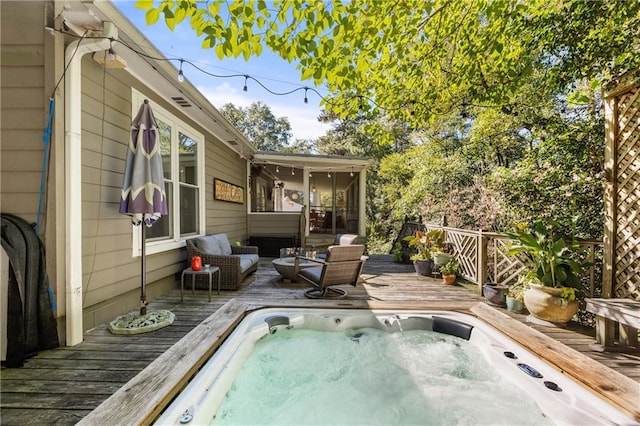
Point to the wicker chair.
(234, 267)
(342, 265)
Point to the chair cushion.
(343, 253)
(247, 261)
(313, 274)
(225, 246)
(209, 244)
(348, 239)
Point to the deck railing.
(482, 258)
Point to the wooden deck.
(64, 385)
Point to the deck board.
(47, 389)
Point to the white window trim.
(177, 125)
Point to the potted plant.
(553, 279)
(449, 271)
(515, 295)
(423, 243)
(495, 293)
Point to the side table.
(210, 271)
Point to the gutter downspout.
(73, 177)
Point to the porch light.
(180, 74)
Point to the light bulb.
(112, 54)
(329, 174)
(180, 74)
(277, 169)
(292, 172)
(306, 101)
(351, 174)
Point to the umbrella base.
(135, 324)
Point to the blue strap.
(46, 138)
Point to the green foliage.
(424, 243)
(452, 267)
(485, 112)
(259, 125)
(437, 55)
(553, 261)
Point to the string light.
(277, 169)
(329, 173)
(180, 74)
(327, 101)
(351, 174)
(293, 172)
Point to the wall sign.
(225, 191)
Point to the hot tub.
(552, 397)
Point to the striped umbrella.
(143, 196)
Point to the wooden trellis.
(622, 167)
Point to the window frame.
(177, 126)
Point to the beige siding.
(32, 63)
(111, 275)
(23, 104)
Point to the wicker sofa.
(235, 262)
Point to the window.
(182, 150)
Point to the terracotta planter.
(449, 279)
(423, 267)
(546, 304)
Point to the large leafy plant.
(553, 260)
(424, 243)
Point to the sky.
(272, 71)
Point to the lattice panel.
(507, 269)
(627, 250)
(465, 247)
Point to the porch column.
(73, 179)
(307, 199)
(362, 199)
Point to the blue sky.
(272, 71)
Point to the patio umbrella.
(143, 195)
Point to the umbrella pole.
(143, 292)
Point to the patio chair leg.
(314, 293)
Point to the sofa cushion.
(247, 261)
(209, 244)
(223, 241)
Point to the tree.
(485, 110)
(259, 125)
(427, 56)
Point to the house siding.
(32, 63)
(111, 276)
(23, 97)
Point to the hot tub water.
(370, 376)
(315, 366)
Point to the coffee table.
(286, 267)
